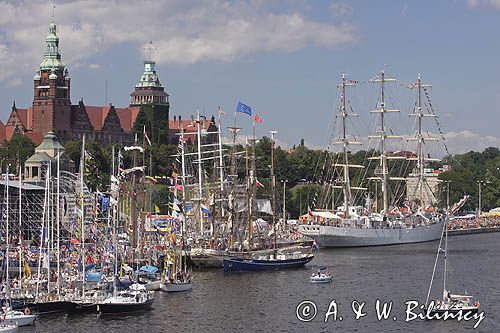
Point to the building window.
(34, 172)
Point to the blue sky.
(283, 58)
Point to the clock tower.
(51, 99)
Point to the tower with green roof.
(150, 96)
(51, 98)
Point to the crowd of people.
(475, 222)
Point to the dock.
(468, 231)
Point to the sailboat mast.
(200, 173)
(273, 186)
(420, 139)
(49, 223)
(82, 171)
(382, 110)
(58, 221)
(183, 179)
(116, 219)
(420, 147)
(445, 251)
(346, 187)
(385, 188)
(7, 252)
(252, 187)
(42, 234)
(20, 229)
(234, 175)
(221, 169)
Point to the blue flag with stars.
(244, 109)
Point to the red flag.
(146, 136)
(259, 184)
(258, 119)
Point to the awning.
(326, 215)
(149, 269)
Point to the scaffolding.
(32, 207)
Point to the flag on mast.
(244, 109)
(146, 137)
(258, 119)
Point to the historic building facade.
(52, 110)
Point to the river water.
(267, 301)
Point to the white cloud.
(475, 3)
(465, 141)
(453, 143)
(339, 8)
(183, 31)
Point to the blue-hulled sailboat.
(273, 261)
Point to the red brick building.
(52, 110)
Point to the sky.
(282, 58)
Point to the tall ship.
(398, 220)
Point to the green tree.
(18, 149)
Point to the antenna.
(149, 48)
(53, 10)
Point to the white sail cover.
(263, 206)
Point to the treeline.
(468, 172)
(302, 172)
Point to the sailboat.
(353, 225)
(276, 260)
(13, 318)
(136, 297)
(449, 303)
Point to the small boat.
(281, 261)
(8, 328)
(19, 318)
(450, 304)
(321, 276)
(454, 304)
(148, 276)
(137, 298)
(176, 286)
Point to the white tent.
(326, 215)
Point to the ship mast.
(200, 174)
(382, 110)
(347, 189)
(420, 139)
(344, 141)
(273, 186)
(233, 176)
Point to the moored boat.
(176, 287)
(413, 220)
(8, 328)
(281, 261)
(19, 318)
(137, 298)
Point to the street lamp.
(480, 202)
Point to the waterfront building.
(52, 110)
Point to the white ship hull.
(330, 236)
